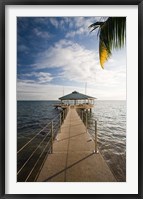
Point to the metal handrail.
(51, 129)
(84, 118)
(32, 138)
(37, 161)
(32, 154)
(37, 174)
(35, 136)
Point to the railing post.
(52, 137)
(60, 121)
(86, 122)
(96, 151)
(79, 113)
(65, 112)
(82, 115)
(63, 115)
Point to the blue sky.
(57, 55)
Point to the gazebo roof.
(76, 96)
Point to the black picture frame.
(3, 3)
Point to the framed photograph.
(71, 99)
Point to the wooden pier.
(73, 158)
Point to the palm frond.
(104, 53)
(113, 32)
(95, 25)
(112, 35)
(98, 23)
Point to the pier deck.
(73, 159)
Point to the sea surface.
(32, 116)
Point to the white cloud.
(41, 20)
(80, 25)
(35, 91)
(44, 77)
(42, 34)
(77, 64)
(30, 91)
(80, 64)
(23, 48)
(39, 77)
(54, 22)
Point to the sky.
(59, 55)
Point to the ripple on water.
(111, 117)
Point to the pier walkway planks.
(73, 159)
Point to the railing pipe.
(60, 121)
(82, 115)
(86, 122)
(52, 137)
(36, 162)
(63, 115)
(96, 150)
(53, 127)
(32, 139)
(37, 174)
(31, 155)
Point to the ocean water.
(111, 129)
(32, 116)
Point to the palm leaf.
(112, 35)
(104, 53)
(95, 25)
(113, 32)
